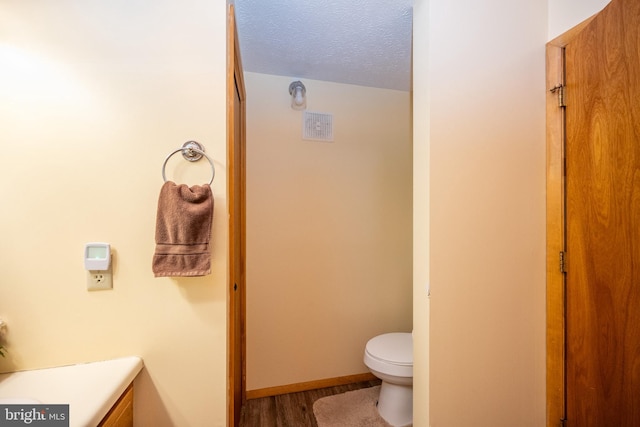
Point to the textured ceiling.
(360, 42)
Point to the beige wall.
(487, 222)
(421, 170)
(93, 96)
(328, 229)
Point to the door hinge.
(559, 90)
(563, 262)
(563, 422)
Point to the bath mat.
(351, 409)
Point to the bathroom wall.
(486, 99)
(328, 229)
(421, 172)
(93, 96)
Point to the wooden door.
(237, 254)
(602, 220)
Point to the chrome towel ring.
(192, 151)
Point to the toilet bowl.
(390, 358)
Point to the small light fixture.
(298, 95)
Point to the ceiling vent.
(317, 126)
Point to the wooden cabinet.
(121, 413)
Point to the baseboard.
(309, 385)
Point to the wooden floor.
(291, 410)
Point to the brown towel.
(183, 230)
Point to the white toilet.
(390, 358)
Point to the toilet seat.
(390, 354)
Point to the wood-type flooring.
(291, 410)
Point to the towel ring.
(192, 151)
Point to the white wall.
(93, 96)
(328, 229)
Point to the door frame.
(556, 326)
(235, 82)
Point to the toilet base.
(395, 404)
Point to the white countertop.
(90, 389)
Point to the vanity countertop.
(90, 389)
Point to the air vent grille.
(317, 126)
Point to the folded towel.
(183, 230)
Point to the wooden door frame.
(556, 338)
(235, 77)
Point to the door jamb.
(555, 240)
(556, 327)
(235, 81)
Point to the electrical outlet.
(99, 280)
